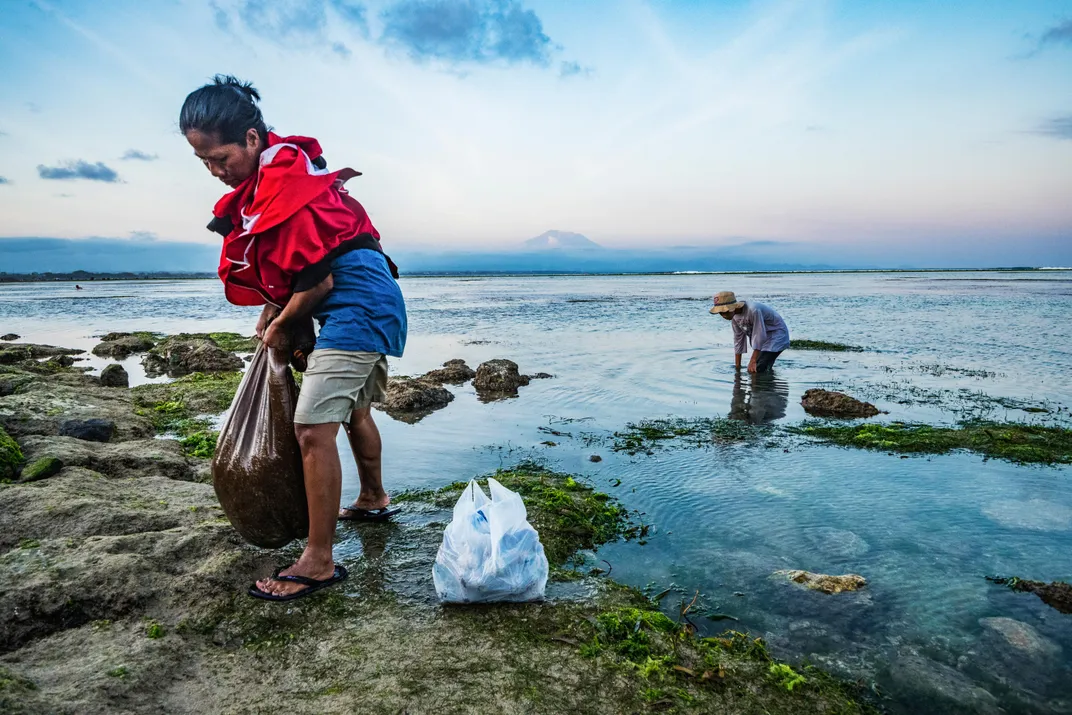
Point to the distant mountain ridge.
(561, 240)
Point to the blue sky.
(881, 128)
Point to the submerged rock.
(175, 357)
(453, 372)
(10, 336)
(824, 582)
(941, 684)
(826, 403)
(496, 379)
(1022, 637)
(411, 399)
(122, 345)
(114, 376)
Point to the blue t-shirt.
(364, 311)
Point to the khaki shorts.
(337, 382)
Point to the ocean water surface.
(928, 634)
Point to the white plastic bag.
(490, 552)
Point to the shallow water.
(924, 531)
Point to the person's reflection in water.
(763, 399)
(371, 571)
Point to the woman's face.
(230, 163)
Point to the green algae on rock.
(10, 456)
(174, 407)
(823, 345)
(42, 468)
(1012, 441)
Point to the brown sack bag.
(257, 468)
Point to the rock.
(61, 360)
(114, 375)
(119, 460)
(1057, 594)
(10, 336)
(18, 352)
(92, 430)
(824, 582)
(176, 357)
(97, 548)
(123, 345)
(825, 403)
(1022, 637)
(41, 469)
(412, 399)
(453, 372)
(595, 458)
(541, 376)
(40, 407)
(496, 379)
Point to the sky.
(896, 130)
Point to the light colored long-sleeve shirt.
(762, 326)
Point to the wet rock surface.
(453, 372)
(411, 399)
(123, 345)
(91, 430)
(498, 379)
(178, 356)
(825, 583)
(114, 376)
(41, 406)
(826, 403)
(9, 336)
(119, 460)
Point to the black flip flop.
(312, 585)
(382, 514)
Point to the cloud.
(1060, 33)
(481, 31)
(220, 16)
(1058, 127)
(79, 170)
(139, 155)
(341, 50)
(4, 180)
(573, 69)
(278, 19)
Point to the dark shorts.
(765, 361)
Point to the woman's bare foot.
(314, 566)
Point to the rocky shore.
(123, 586)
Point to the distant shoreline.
(88, 277)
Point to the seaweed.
(646, 435)
(1012, 441)
(824, 345)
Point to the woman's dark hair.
(227, 108)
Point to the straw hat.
(725, 302)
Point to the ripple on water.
(1034, 514)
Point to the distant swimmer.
(77, 287)
(756, 323)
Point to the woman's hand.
(267, 316)
(275, 336)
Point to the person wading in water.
(297, 243)
(756, 323)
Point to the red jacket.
(285, 224)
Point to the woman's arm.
(299, 306)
